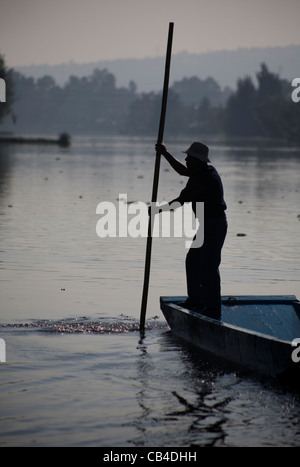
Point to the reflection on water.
(111, 389)
(70, 301)
(197, 400)
(183, 415)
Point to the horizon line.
(154, 57)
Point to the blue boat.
(257, 332)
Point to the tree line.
(95, 105)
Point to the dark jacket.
(205, 185)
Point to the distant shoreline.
(212, 140)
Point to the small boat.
(257, 332)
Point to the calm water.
(76, 372)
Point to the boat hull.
(244, 345)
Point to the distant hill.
(224, 66)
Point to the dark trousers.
(202, 266)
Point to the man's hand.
(152, 210)
(161, 148)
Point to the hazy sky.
(56, 31)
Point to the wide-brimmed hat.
(199, 151)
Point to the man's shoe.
(189, 305)
(201, 309)
(210, 313)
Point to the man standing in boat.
(202, 263)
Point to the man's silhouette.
(202, 263)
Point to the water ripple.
(86, 326)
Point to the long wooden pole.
(156, 178)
